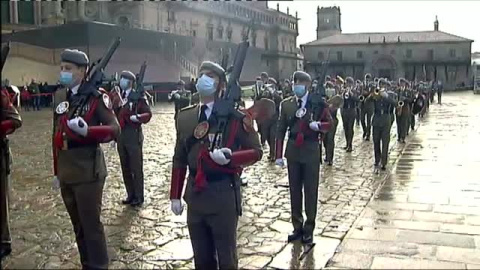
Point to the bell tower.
(328, 21)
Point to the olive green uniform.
(366, 111)
(81, 170)
(329, 139)
(349, 113)
(212, 213)
(10, 114)
(183, 101)
(382, 123)
(268, 129)
(403, 114)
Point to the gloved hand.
(134, 118)
(176, 95)
(280, 162)
(78, 125)
(315, 125)
(56, 182)
(177, 207)
(220, 156)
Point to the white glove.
(78, 125)
(315, 125)
(280, 162)
(177, 207)
(56, 182)
(218, 155)
(134, 118)
(176, 95)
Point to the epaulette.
(188, 107)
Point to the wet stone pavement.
(427, 214)
(419, 194)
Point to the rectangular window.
(25, 12)
(210, 32)
(359, 55)
(220, 32)
(339, 56)
(430, 54)
(254, 39)
(409, 53)
(453, 53)
(229, 34)
(194, 33)
(265, 41)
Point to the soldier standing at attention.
(180, 97)
(269, 127)
(302, 153)
(212, 189)
(81, 121)
(329, 139)
(10, 120)
(382, 123)
(349, 112)
(131, 116)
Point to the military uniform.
(303, 156)
(181, 97)
(212, 191)
(269, 127)
(10, 120)
(130, 141)
(382, 123)
(403, 113)
(79, 162)
(329, 138)
(349, 114)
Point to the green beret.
(350, 80)
(264, 74)
(76, 57)
(128, 75)
(368, 76)
(382, 81)
(258, 78)
(301, 76)
(216, 68)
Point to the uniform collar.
(304, 99)
(74, 89)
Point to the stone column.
(14, 12)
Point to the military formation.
(215, 140)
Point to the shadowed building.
(175, 37)
(422, 55)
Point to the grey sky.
(461, 18)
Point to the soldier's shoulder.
(188, 108)
(289, 100)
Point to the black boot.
(136, 202)
(296, 235)
(5, 250)
(307, 239)
(128, 200)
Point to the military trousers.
(268, 130)
(5, 238)
(303, 177)
(402, 125)
(348, 119)
(381, 141)
(357, 116)
(412, 121)
(366, 120)
(212, 224)
(439, 97)
(84, 203)
(329, 141)
(130, 151)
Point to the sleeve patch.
(106, 101)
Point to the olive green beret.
(301, 76)
(350, 80)
(272, 80)
(76, 57)
(128, 75)
(368, 76)
(258, 78)
(216, 68)
(382, 81)
(264, 74)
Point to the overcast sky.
(461, 18)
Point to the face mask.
(124, 83)
(206, 86)
(66, 78)
(299, 90)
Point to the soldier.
(366, 107)
(180, 97)
(269, 127)
(82, 120)
(10, 120)
(329, 139)
(382, 123)
(349, 112)
(358, 92)
(439, 91)
(212, 190)
(287, 89)
(302, 152)
(134, 112)
(403, 110)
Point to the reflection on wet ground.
(152, 237)
(427, 214)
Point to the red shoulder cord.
(204, 159)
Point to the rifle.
(5, 51)
(95, 77)
(135, 96)
(316, 97)
(4, 148)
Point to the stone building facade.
(422, 55)
(211, 29)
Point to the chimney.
(435, 24)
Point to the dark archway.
(385, 66)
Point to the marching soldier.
(366, 107)
(212, 193)
(349, 112)
(304, 123)
(382, 123)
(10, 120)
(403, 110)
(82, 120)
(134, 112)
(358, 92)
(180, 97)
(329, 139)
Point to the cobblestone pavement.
(427, 214)
(151, 236)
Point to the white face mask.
(206, 86)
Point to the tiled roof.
(390, 37)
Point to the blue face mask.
(66, 78)
(124, 83)
(206, 86)
(299, 90)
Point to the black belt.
(211, 177)
(74, 144)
